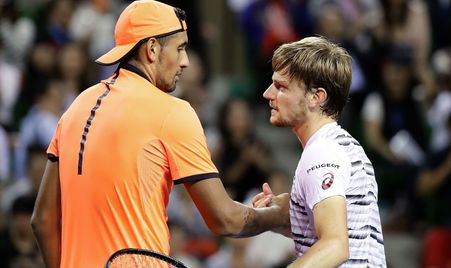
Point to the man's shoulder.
(323, 150)
(89, 95)
(322, 144)
(93, 89)
(180, 114)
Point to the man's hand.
(267, 198)
(264, 198)
(282, 201)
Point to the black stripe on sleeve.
(53, 158)
(198, 177)
(357, 261)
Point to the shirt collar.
(135, 70)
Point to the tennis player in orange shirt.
(122, 145)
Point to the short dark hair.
(133, 54)
(180, 13)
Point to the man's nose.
(184, 63)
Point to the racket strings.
(138, 261)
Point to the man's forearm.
(46, 218)
(324, 253)
(258, 220)
(49, 242)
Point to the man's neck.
(146, 71)
(306, 130)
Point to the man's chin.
(173, 87)
(278, 123)
(274, 122)
(170, 89)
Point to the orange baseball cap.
(140, 20)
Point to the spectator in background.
(17, 244)
(394, 108)
(73, 72)
(56, 26)
(361, 21)
(406, 24)
(41, 68)
(434, 179)
(10, 79)
(17, 33)
(434, 184)
(440, 108)
(434, 187)
(29, 185)
(92, 24)
(243, 158)
(39, 125)
(5, 156)
(395, 132)
(193, 87)
(266, 25)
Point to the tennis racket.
(141, 258)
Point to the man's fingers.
(261, 200)
(264, 198)
(264, 202)
(257, 197)
(266, 189)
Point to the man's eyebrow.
(184, 44)
(279, 81)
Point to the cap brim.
(115, 54)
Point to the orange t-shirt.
(121, 146)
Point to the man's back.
(117, 160)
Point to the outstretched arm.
(229, 218)
(46, 216)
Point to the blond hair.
(318, 63)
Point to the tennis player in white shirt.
(334, 214)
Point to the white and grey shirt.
(334, 163)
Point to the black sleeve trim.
(198, 177)
(53, 158)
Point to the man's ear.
(152, 49)
(319, 96)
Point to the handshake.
(266, 198)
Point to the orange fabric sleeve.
(52, 150)
(186, 146)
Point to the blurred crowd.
(399, 108)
